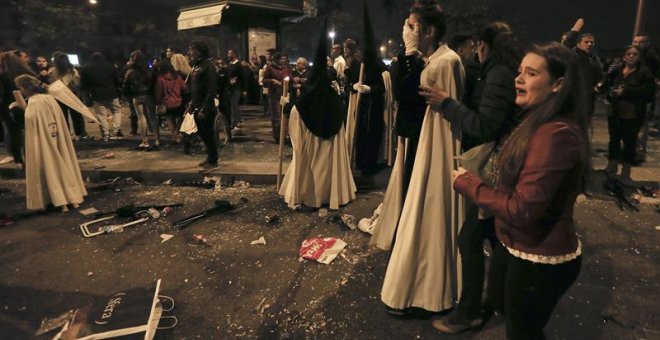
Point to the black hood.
(319, 105)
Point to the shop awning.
(200, 17)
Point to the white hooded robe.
(51, 166)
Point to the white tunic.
(52, 171)
(424, 269)
(320, 171)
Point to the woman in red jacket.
(540, 171)
(168, 93)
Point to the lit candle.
(285, 90)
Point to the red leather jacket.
(536, 216)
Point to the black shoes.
(453, 323)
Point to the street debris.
(657, 227)
(261, 307)
(168, 182)
(139, 214)
(273, 219)
(349, 220)
(343, 220)
(108, 155)
(368, 224)
(323, 213)
(201, 239)
(165, 237)
(220, 206)
(90, 273)
(241, 184)
(50, 324)
(260, 241)
(88, 211)
(322, 250)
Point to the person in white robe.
(320, 171)
(424, 266)
(52, 172)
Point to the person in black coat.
(100, 80)
(203, 89)
(631, 88)
(487, 117)
(236, 74)
(591, 69)
(223, 95)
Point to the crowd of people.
(491, 143)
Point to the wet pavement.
(234, 289)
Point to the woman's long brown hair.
(570, 102)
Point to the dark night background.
(118, 26)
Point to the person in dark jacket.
(273, 79)
(487, 117)
(13, 121)
(223, 96)
(42, 69)
(463, 45)
(100, 80)
(632, 88)
(203, 89)
(651, 60)
(237, 86)
(139, 84)
(591, 69)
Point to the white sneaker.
(7, 160)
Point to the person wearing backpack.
(168, 91)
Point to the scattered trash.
(348, 259)
(88, 211)
(50, 324)
(322, 250)
(168, 182)
(165, 237)
(140, 215)
(368, 224)
(134, 312)
(323, 213)
(260, 241)
(220, 206)
(273, 218)
(657, 227)
(6, 221)
(166, 211)
(241, 184)
(90, 273)
(199, 238)
(108, 155)
(349, 221)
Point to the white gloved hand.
(411, 38)
(284, 101)
(361, 88)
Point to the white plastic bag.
(188, 126)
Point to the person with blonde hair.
(181, 64)
(52, 173)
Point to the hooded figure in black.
(369, 121)
(320, 171)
